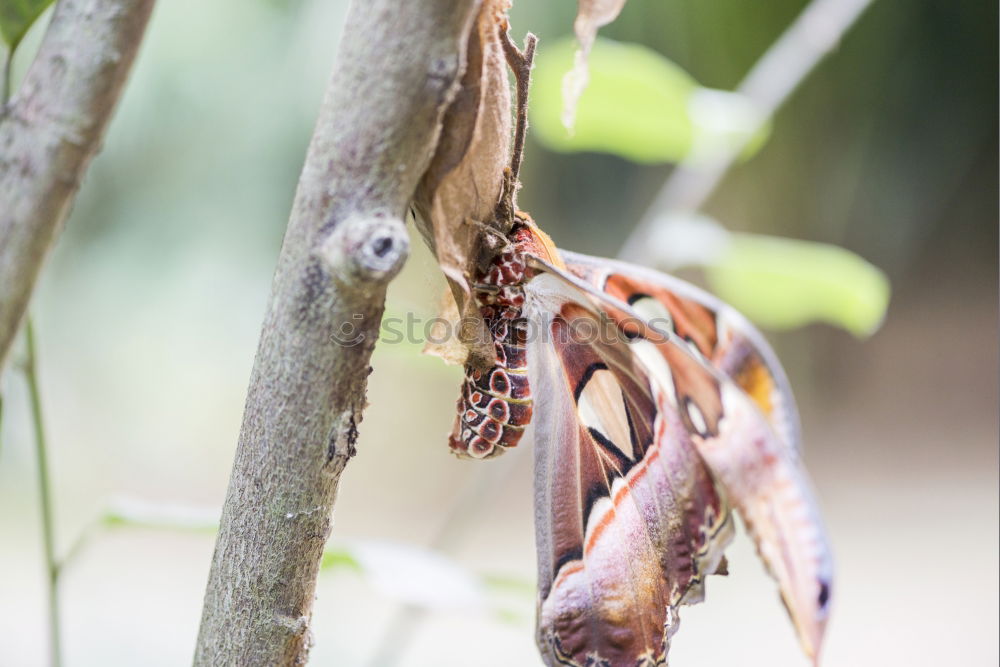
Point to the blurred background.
(148, 314)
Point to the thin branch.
(5, 78)
(50, 130)
(397, 70)
(771, 81)
(83, 539)
(520, 63)
(45, 491)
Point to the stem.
(45, 490)
(520, 63)
(5, 84)
(768, 85)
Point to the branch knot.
(366, 248)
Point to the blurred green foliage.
(642, 107)
(888, 149)
(16, 16)
(637, 105)
(783, 283)
(339, 558)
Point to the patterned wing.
(734, 400)
(628, 518)
(712, 330)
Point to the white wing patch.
(602, 408)
(652, 359)
(655, 313)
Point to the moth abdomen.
(496, 403)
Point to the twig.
(520, 63)
(5, 78)
(45, 491)
(771, 81)
(83, 539)
(397, 70)
(50, 131)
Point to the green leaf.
(638, 105)
(723, 120)
(339, 559)
(634, 106)
(785, 283)
(503, 583)
(17, 16)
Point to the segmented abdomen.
(495, 405)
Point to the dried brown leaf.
(460, 190)
(446, 340)
(590, 16)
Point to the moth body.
(653, 407)
(496, 403)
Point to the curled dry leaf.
(458, 194)
(590, 15)
(441, 342)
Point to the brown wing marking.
(692, 321)
(714, 330)
(624, 528)
(697, 324)
(749, 452)
(578, 338)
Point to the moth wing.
(711, 328)
(759, 470)
(628, 517)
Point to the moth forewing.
(628, 524)
(738, 341)
(772, 492)
(759, 469)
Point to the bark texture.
(398, 68)
(51, 129)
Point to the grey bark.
(397, 69)
(51, 129)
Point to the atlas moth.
(654, 408)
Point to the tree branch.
(771, 81)
(398, 68)
(51, 130)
